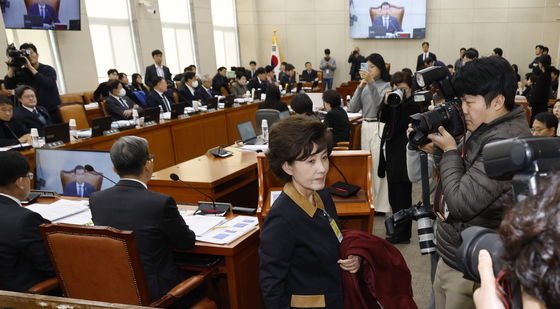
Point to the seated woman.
(137, 84)
(336, 117)
(11, 132)
(300, 264)
(272, 100)
(302, 105)
(545, 124)
(239, 88)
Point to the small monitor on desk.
(98, 125)
(57, 133)
(177, 109)
(212, 103)
(151, 114)
(63, 171)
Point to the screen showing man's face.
(385, 10)
(80, 176)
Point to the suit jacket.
(203, 95)
(255, 83)
(393, 25)
(157, 225)
(238, 90)
(306, 77)
(286, 79)
(6, 129)
(28, 120)
(250, 75)
(420, 60)
(273, 104)
(187, 96)
(116, 109)
(355, 65)
(337, 119)
(151, 73)
(219, 82)
(71, 190)
(24, 260)
(50, 15)
(540, 92)
(154, 99)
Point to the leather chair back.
(74, 111)
(97, 263)
(71, 98)
(395, 11)
(271, 116)
(94, 179)
(88, 97)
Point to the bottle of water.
(73, 129)
(264, 129)
(35, 138)
(135, 118)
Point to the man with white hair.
(204, 91)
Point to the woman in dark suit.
(300, 265)
(272, 100)
(396, 116)
(336, 117)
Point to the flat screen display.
(398, 19)
(41, 14)
(63, 171)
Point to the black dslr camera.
(18, 56)
(424, 215)
(449, 114)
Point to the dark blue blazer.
(157, 225)
(24, 260)
(154, 99)
(50, 15)
(151, 73)
(71, 190)
(186, 95)
(393, 26)
(28, 120)
(6, 129)
(203, 95)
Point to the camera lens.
(476, 238)
(395, 98)
(426, 235)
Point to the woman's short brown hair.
(294, 138)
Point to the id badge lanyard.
(333, 225)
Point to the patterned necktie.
(123, 103)
(166, 103)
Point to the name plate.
(110, 132)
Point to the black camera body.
(395, 97)
(18, 56)
(424, 215)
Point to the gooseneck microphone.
(90, 169)
(175, 177)
(13, 134)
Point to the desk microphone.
(90, 169)
(175, 177)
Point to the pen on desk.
(219, 227)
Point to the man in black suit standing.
(308, 75)
(154, 218)
(259, 81)
(29, 114)
(158, 96)
(24, 261)
(118, 105)
(220, 83)
(424, 55)
(156, 69)
(252, 72)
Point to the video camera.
(18, 56)
(449, 114)
(523, 160)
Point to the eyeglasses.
(6, 110)
(536, 129)
(30, 176)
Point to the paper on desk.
(354, 115)
(59, 209)
(84, 133)
(263, 148)
(230, 230)
(81, 218)
(92, 105)
(167, 115)
(201, 224)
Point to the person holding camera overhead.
(25, 69)
(465, 195)
(368, 98)
(356, 60)
(398, 106)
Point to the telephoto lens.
(476, 238)
(426, 235)
(395, 98)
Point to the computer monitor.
(55, 170)
(98, 125)
(212, 103)
(177, 109)
(151, 114)
(57, 133)
(230, 98)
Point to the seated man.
(11, 131)
(157, 225)
(308, 75)
(24, 261)
(187, 91)
(204, 91)
(289, 79)
(258, 82)
(118, 105)
(390, 23)
(158, 96)
(41, 8)
(79, 187)
(220, 83)
(29, 114)
(102, 90)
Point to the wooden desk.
(217, 177)
(25, 300)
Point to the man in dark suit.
(308, 75)
(11, 132)
(156, 69)
(29, 115)
(220, 83)
(154, 218)
(356, 60)
(118, 105)
(259, 82)
(252, 72)
(45, 11)
(187, 91)
(204, 91)
(535, 64)
(24, 261)
(289, 79)
(79, 187)
(102, 91)
(41, 77)
(390, 23)
(158, 96)
(424, 55)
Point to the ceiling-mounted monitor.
(41, 14)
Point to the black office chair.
(271, 116)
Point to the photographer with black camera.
(395, 112)
(24, 69)
(465, 195)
